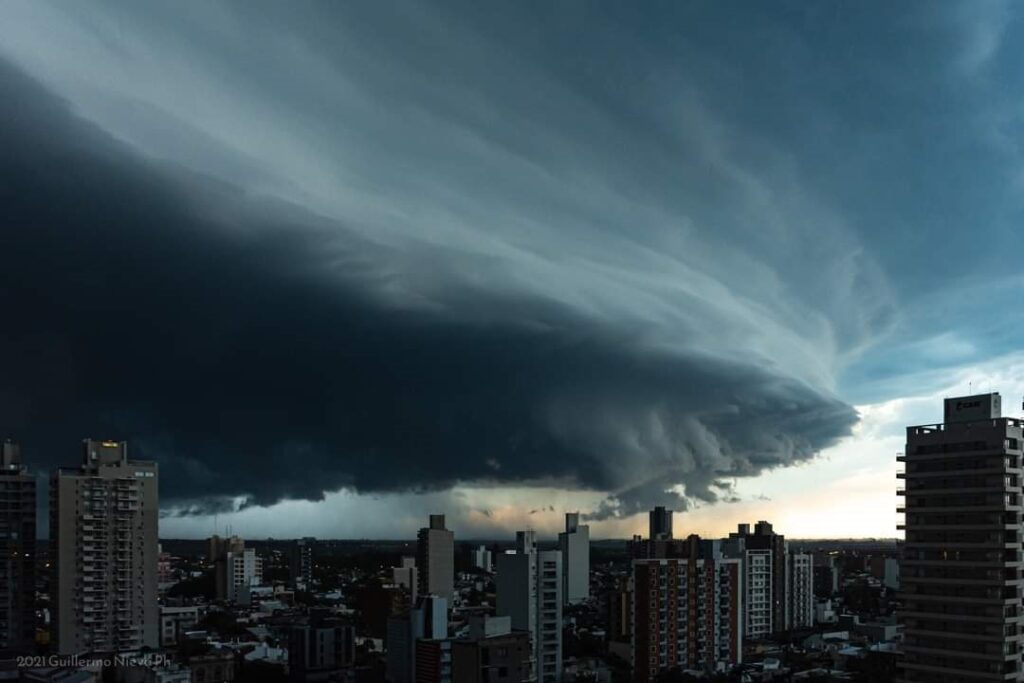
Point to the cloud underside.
(257, 350)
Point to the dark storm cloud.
(257, 350)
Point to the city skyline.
(338, 269)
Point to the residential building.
(219, 548)
(244, 572)
(407, 577)
(960, 573)
(660, 524)
(769, 606)
(492, 653)
(435, 560)
(427, 620)
(620, 610)
(17, 552)
(433, 660)
(826, 575)
(103, 535)
(574, 543)
(483, 559)
(687, 614)
(175, 622)
(800, 591)
(757, 592)
(529, 591)
(886, 570)
(320, 648)
(164, 571)
(300, 563)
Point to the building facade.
(300, 563)
(483, 558)
(960, 573)
(574, 543)
(427, 620)
(17, 552)
(492, 653)
(176, 621)
(104, 540)
(659, 524)
(776, 599)
(219, 549)
(407, 577)
(320, 649)
(435, 559)
(244, 572)
(687, 614)
(529, 591)
(800, 591)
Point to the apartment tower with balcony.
(961, 566)
(687, 613)
(103, 535)
(528, 587)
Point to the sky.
(337, 266)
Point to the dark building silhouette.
(17, 552)
(320, 649)
(435, 559)
(659, 524)
(961, 568)
(493, 653)
(300, 563)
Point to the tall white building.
(407, 577)
(778, 584)
(757, 592)
(574, 543)
(529, 590)
(483, 559)
(800, 609)
(103, 532)
(244, 572)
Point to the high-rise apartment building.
(529, 590)
(103, 533)
(435, 559)
(483, 558)
(426, 620)
(800, 591)
(574, 543)
(320, 648)
(17, 552)
(660, 524)
(407, 577)
(244, 572)
(219, 550)
(687, 614)
(300, 563)
(771, 606)
(961, 569)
